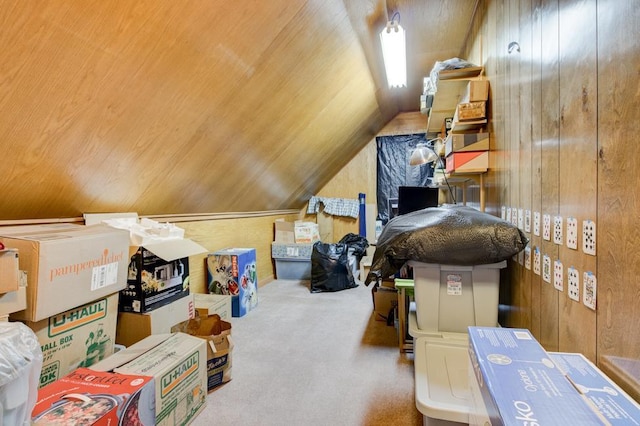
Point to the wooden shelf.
(450, 89)
(465, 126)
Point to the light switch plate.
(536, 260)
(589, 291)
(589, 237)
(546, 268)
(503, 213)
(573, 284)
(536, 224)
(527, 221)
(572, 233)
(514, 216)
(527, 257)
(546, 227)
(557, 230)
(521, 219)
(508, 214)
(558, 275)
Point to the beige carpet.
(314, 359)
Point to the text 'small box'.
(233, 271)
(158, 275)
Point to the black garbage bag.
(330, 268)
(357, 243)
(450, 235)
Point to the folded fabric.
(335, 206)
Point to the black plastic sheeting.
(449, 235)
(394, 169)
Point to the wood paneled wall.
(564, 110)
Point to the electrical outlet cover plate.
(514, 216)
(557, 275)
(589, 292)
(503, 213)
(536, 224)
(546, 268)
(527, 257)
(508, 214)
(536, 260)
(589, 237)
(557, 230)
(546, 227)
(573, 285)
(527, 221)
(572, 233)
(521, 219)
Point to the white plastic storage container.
(293, 261)
(450, 298)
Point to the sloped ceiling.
(198, 106)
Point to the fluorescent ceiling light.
(394, 52)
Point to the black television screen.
(412, 198)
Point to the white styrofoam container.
(441, 379)
(450, 298)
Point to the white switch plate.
(536, 260)
(514, 216)
(503, 213)
(546, 227)
(536, 224)
(558, 275)
(589, 292)
(557, 230)
(521, 219)
(572, 233)
(508, 214)
(589, 237)
(546, 268)
(527, 221)
(527, 257)
(573, 284)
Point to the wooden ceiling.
(198, 106)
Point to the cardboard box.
(284, 232)
(133, 327)
(306, 232)
(69, 266)
(476, 91)
(14, 301)
(98, 398)
(158, 274)
(76, 338)
(8, 270)
(178, 364)
(461, 142)
(213, 304)
(470, 111)
(217, 334)
(385, 299)
(468, 162)
(613, 403)
(232, 271)
(520, 384)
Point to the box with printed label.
(68, 266)
(158, 274)
(520, 384)
(232, 271)
(76, 338)
(178, 363)
(8, 270)
(133, 327)
(86, 397)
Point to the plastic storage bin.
(450, 298)
(293, 261)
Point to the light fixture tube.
(394, 53)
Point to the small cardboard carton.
(14, 301)
(213, 304)
(217, 334)
(158, 274)
(76, 338)
(306, 232)
(8, 270)
(232, 271)
(98, 398)
(133, 327)
(476, 91)
(284, 232)
(178, 363)
(470, 111)
(460, 142)
(385, 300)
(520, 384)
(468, 162)
(68, 266)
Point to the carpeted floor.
(314, 359)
